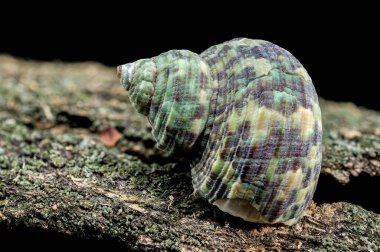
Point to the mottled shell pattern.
(245, 112)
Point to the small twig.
(314, 220)
(47, 112)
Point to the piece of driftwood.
(75, 158)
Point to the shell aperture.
(247, 113)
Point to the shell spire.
(141, 91)
(174, 91)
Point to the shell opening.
(240, 208)
(244, 209)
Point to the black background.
(335, 44)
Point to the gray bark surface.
(56, 173)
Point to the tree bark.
(57, 173)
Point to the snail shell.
(246, 113)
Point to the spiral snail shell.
(245, 112)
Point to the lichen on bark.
(56, 174)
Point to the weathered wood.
(56, 174)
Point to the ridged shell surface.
(265, 132)
(246, 113)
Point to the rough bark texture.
(56, 173)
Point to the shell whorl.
(250, 113)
